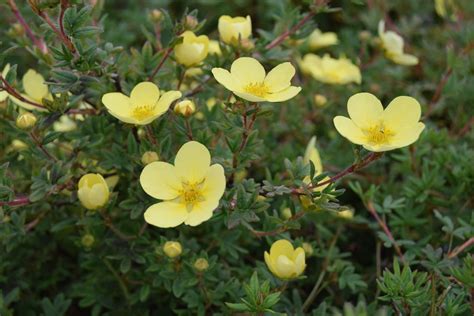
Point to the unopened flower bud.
(172, 249)
(320, 100)
(247, 44)
(201, 264)
(87, 240)
(26, 120)
(308, 249)
(346, 214)
(93, 191)
(185, 108)
(149, 157)
(364, 35)
(286, 213)
(156, 15)
(190, 22)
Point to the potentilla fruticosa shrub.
(236, 157)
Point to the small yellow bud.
(17, 29)
(185, 108)
(261, 198)
(286, 213)
(365, 36)
(26, 120)
(18, 145)
(190, 22)
(308, 249)
(201, 264)
(346, 214)
(93, 191)
(87, 240)
(172, 249)
(210, 103)
(156, 15)
(320, 100)
(284, 261)
(199, 115)
(149, 157)
(232, 29)
(247, 44)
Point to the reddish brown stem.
(386, 230)
(160, 64)
(18, 201)
(283, 36)
(59, 31)
(38, 42)
(461, 248)
(7, 87)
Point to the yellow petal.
(279, 78)
(26, 105)
(249, 97)
(284, 95)
(408, 136)
(214, 183)
(192, 162)
(145, 93)
(402, 111)
(270, 263)
(34, 85)
(299, 260)
(349, 130)
(364, 109)
(159, 179)
(247, 70)
(226, 79)
(405, 59)
(165, 101)
(312, 154)
(166, 214)
(201, 212)
(281, 247)
(285, 268)
(119, 106)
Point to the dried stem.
(283, 36)
(461, 248)
(7, 87)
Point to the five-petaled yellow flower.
(144, 105)
(377, 129)
(190, 190)
(192, 50)
(392, 44)
(330, 70)
(35, 89)
(284, 261)
(318, 39)
(247, 79)
(231, 30)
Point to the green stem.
(120, 281)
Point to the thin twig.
(277, 41)
(160, 64)
(7, 87)
(461, 248)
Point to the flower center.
(191, 194)
(378, 134)
(142, 112)
(260, 89)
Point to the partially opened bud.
(232, 29)
(201, 264)
(93, 191)
(185, 108)
(26, 120)
(172, 249)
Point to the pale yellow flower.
(284, 261)
(3, 93)
(35, 89)
(192, 50)
(172, 249)
(247, 79)
(392, 44)
(330, 70)
(93, 191)
(190, 190)
(232, 29)
(144, 105)
(318, 39)
(201, 264)
(377, 129)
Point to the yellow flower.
(312, 154)
(143, 106)
(172, 249)
(248, 80)
(201, 264)
(185, 107)
(377, 129)
(284, 261)
(214, 48)
(330, 70)
(392, 44)
(190, 190)
(149, 156)
(192, 50)
(93, 191)
(3, 93)
(318, 39)
(26, 120)
(35, 90)
(232, 29)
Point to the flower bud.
(201, 264)
(247, 44)
(308, 249)
(185, 108)
(87, 240)
(156, 15)
(172, 249)
(26, 120)
(233, 29)
(17, 30)
(320, 100)
(214, 48)
(346, 213)
(93, 191)
(149, 157)
(192, 50)
(284, 261)
(190, 22)
(365, 36)
(286, 213)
